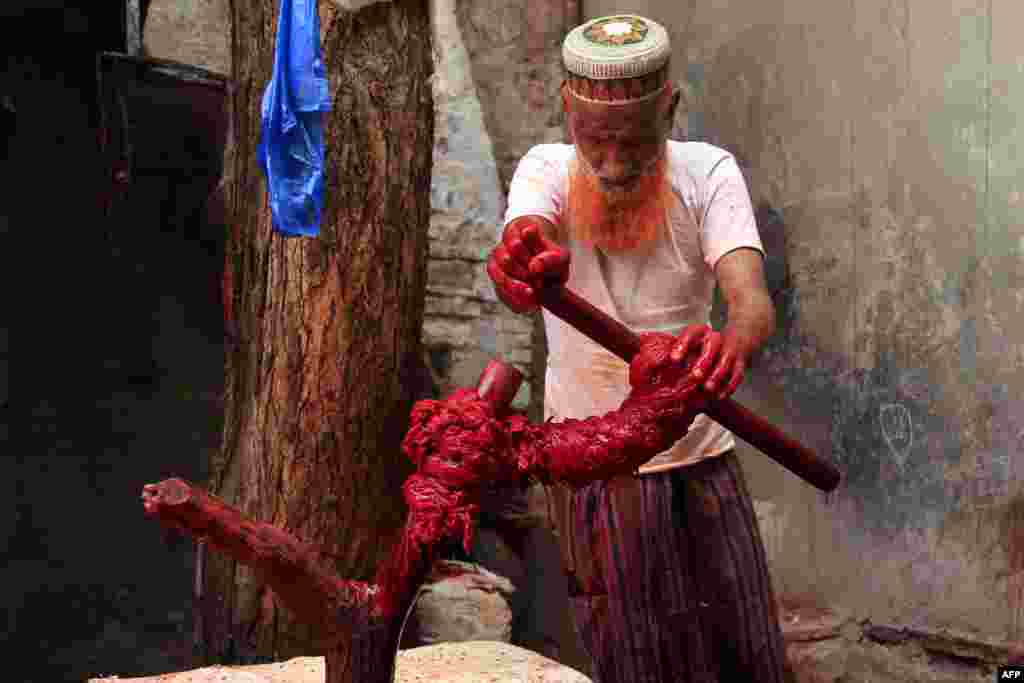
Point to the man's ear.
(563, 91)
(673, 106)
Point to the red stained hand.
(722, 363)
(523, 261)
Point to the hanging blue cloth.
(291, 148)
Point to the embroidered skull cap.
(616, 47)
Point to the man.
(668, 572)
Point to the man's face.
(618, 182)
(619, 143)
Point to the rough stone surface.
(470, 662)
(463, 602)
(884, 634)
(817, 662)
(189, 31)
(809, 623)
(823, 646)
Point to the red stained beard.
(617, 220)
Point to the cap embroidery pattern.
(615, 47)
(616, 31)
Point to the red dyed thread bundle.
(658, 412)
(456, 445)
(460, 444)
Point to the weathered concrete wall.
(882, 141)
(465, 325)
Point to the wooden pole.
(769, 439)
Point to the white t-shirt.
(661, 289)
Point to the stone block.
(467, 364)
(465, 662)
(883, 653)
(193, 32)
(466, 190)
(451, 276)
(885, 634)
(455, 237)
(487, 335)
(452, 307)
(817, 662)
(482, 285)
(806, 623)
(884, 664)
(516, 322)
(463, 602)
(518, 356)
(473, 662)
(446, 332)
(516, 339)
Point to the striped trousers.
(668, 581)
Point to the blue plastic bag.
(291, 148)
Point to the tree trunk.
(324, 332)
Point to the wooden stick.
(624, 343)
(499, 383)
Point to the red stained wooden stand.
(357, 623)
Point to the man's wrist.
(749, 324)
(745, 338)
